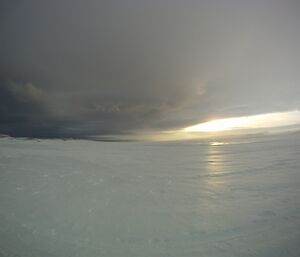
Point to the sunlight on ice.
(217, 143)
(220, 125)
(267, 120)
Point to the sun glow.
(268, 120)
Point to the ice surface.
(236, 197)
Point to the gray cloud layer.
(79, 68)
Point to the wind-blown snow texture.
(199, 198)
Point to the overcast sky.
(78, 68)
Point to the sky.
(77, 68)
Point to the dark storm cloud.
(19, 102)
(79, 68)
(24, 111)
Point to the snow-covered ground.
(234, 197)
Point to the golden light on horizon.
(267, 120)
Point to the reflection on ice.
(216, 161)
